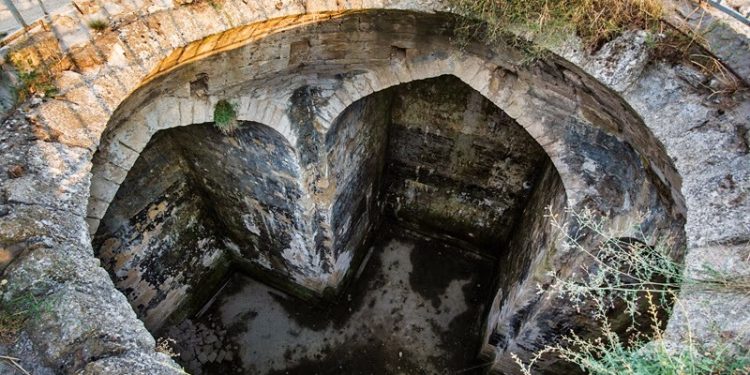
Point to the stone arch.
(96, 98)
(120, 147)
(559, 106)
(513, 325)
(196, 202)
(488, 75)
(511, 92)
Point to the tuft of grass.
(225, 117)
(16, 311)
(34, 82)
(537, 26)
(98, 24)
(594, 21)
(216, 5)
(629, 277)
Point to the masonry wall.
(457, 166)
(157, 242)
(530, 243)
(356, 147)
(250, 181)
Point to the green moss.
(34, 82)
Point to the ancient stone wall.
(458, 166)
(250, 182)
(356, 147)
(686, 143)
(158, 238)
(529, 251)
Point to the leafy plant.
(225, 117)
(642, 282)
(34, 82)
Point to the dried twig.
(14, 362)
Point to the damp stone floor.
(416, 308)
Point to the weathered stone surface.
(721, 320)
(358, 138)
(156, 240)
(681, 138)
(135, 363)
(457, 165)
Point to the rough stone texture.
(86, 318)
(157, 241)
(54, 143)
(524, 254)
(457, 165)
(725, 37)
(356, 148)
(415, 308)
(251, 184)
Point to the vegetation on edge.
(629, 277)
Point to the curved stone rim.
(92, 88)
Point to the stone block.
(278, 114)
(331, 111)
(202, 111)
(423, 70)
(401, 71)
(360, 85)
(386, 77)
(110, 172)
(102, 189)
(344, 97)
(68, 123)
(121, 155)
(186, 111)
(168, 109)
(468, 68)
(93, 224)
(97, 208)
(285, 128)
(135, 135)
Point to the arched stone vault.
(98, 77)
(553, 102)
(506, 87)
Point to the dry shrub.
(594, 21)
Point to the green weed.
(98, 24)
(629, 277)
(225, 117)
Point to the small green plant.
(641, 281)
(16, 311)
(98, 24)
(225, 117)
(34, 82)
(215, 4)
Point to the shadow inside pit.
(417, 308)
